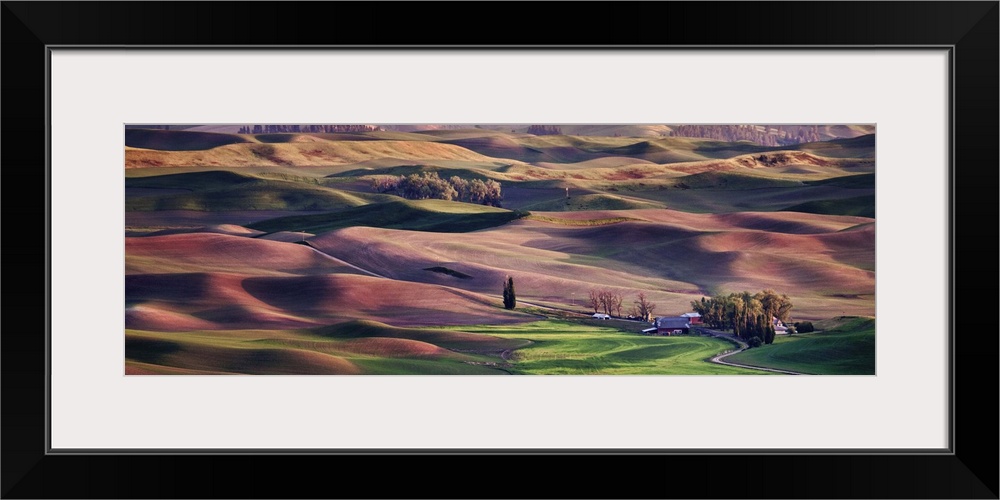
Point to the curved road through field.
(720, 358)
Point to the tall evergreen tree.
(509, 298)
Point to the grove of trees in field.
(429, 185)
(747, 315)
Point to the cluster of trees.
(509, 298)
(769, 160)
(747, 315)
(327, 129)
(611, 301)
(429, 185)
(769, 136)
(544, 130)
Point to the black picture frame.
(968, 470)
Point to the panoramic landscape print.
(499, 249)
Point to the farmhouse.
(670, 326)
(693, 318)
(779, 327)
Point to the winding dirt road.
(719, 359)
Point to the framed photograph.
(293, 243)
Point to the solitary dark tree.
(509, 299)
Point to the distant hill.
(161, 127)
(781, 134)
(182, 149)
(766, 135)
(177, 140)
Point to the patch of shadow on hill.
(449, 272)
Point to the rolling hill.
(228, 191)
(417, 215)
(178, 140)
(298, 153)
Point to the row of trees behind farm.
(748, 315)
(612, 302)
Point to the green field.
(174, 140)
(858, 147)
(591, 202)
(846, 349)
(415, 215)
(230, 191)
(732, 181)
(861, 206)
(861, 181)
(572, 348)
(547, 347)
(352, 348)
